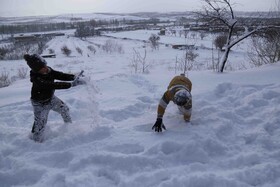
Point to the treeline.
(34, 27)
(43, 27)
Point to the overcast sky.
(10, 8)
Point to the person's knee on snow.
(186, 111)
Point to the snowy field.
(232, 140)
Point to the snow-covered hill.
(232, 140)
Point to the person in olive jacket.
(178, 91)
(42, 93)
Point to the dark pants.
(41, 111)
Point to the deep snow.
(232, 140)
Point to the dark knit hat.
(35, 62)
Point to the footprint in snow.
(126, 148)
(131, 111)
(144, 127)
(55, 160)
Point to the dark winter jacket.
(44, 86)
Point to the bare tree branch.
(221, 12)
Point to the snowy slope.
(232, 141)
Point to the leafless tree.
(265, 46)
(154, 39)
(41, 47)
(187, 62)
(220, 41)
(139, 62)
(189, 59)
(111, 46)
(51, 51)
(79, 50)
(186, 32)
(193, 35)
(202, 35)
(221, 12)
(92, 48)
(265, 49)
(22, 72)
(3, 52)
(65, 50)
(4, 79)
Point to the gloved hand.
(78, 82)
(158, 126)
(79, 79)
(75, 82)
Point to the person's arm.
(40, 82)
(62, 76)
(164, 101)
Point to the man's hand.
(78, 79)
(158, 126)
(75, 82)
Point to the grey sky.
(10, 8)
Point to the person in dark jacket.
(42, 93)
